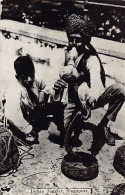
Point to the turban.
(75, 24)
(23, 65)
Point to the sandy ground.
(42, 173)
(40, 170)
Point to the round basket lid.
(119, 189)
(81, 166)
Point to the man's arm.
(13, 111)
(96, 86)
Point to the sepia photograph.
(62, 94)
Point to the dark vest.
(84, 76)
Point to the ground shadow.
(56, 139)
(97, 143)
(98, 137)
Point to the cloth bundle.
(68, 73)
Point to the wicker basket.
(119, 189)
(78, 165)
(119, 160)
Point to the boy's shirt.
(17, 100)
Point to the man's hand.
(59, 84)
(86, 112)
(91, 102)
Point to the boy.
(26, 100)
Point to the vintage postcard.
(62, 93)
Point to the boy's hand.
(43, 99)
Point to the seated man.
(89, 90)
(26, 100)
